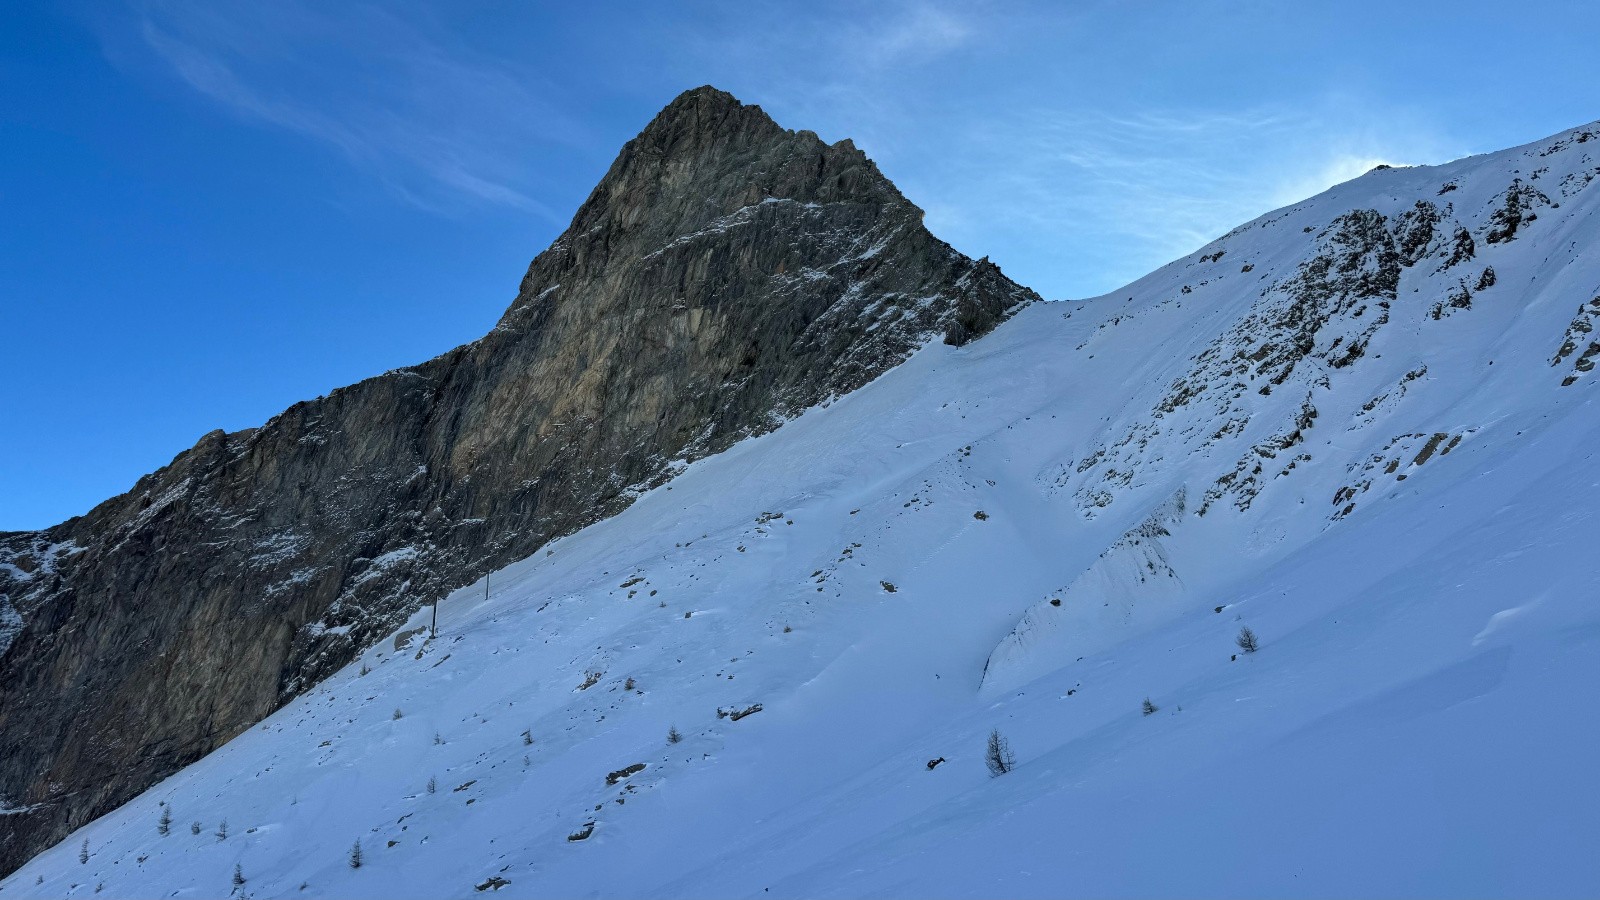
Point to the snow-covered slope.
(1363, 426)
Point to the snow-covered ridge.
(1403, 291)
(1332, 425)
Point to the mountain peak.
(725, 275)
(704, 97)
(704, 115)
(707, 162)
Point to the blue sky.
(210, 210)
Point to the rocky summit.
(726, 274)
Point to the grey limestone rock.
(724, 275)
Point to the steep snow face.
(1363, 426)
(1365, 352)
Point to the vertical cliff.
(725, 274)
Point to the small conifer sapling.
(997, 756)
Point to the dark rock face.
(1518, 205)
(1298, 335)
(726, 273)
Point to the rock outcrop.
(725, 274)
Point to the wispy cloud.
(921, 30)
(813, 60)
(1070, 190)
(440, 124)
(843, 39)
(1093, 199)
(1019, 156)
